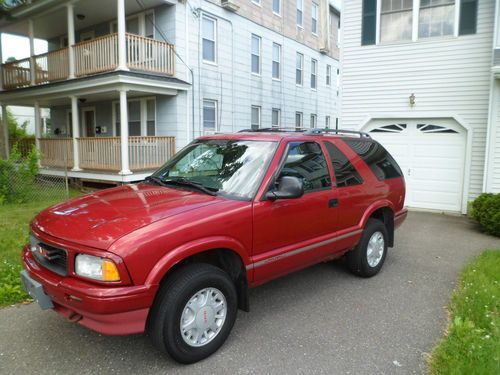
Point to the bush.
(17, 176)
(486, 210)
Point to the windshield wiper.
(185, 182)
(155, 180)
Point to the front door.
(88, 115)
(290, 234)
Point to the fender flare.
(374, 207)
(174, 256)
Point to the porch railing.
(56, 152)
(17, 74)
(91, 57)
(24, 145)
(144, 152)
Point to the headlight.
(96, 268)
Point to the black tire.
(357, 259)
(165, 316)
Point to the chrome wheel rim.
(203, 317)
(375, 251)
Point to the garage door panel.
(432, 163)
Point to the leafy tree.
(16, 130)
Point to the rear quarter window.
(381, 163)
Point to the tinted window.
(306, 161)
(345, 173)
(378, 159)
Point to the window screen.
(345, 173)
(376, 157)
(306, 161)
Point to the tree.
(16, 130)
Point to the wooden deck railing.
(52, 66)
(144, 152)
(24, 145)
(17, 74)
(91, 57)
(56, 152)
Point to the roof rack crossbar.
(336, 131)
(273, 130)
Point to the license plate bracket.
(35, 290)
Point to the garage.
(431, 154)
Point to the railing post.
(122, 41)
(124, 133)
(76, 133)
(31, 34)
(71, 39)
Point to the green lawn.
(14, 221)
(472, 342)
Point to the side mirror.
(289, 188)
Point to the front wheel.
(367, 258)
(193, 313)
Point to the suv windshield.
(232, 168)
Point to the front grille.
(52, 258)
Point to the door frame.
(469, 134)
(82, 120)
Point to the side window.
(306, 161)
(345, 173)
(376, 157)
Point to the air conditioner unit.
(229, 5)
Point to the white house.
(420, 76)
(130, 81)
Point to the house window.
(300, 13)
(255, 117)
(276, 61)
(313, 120)
(151, 117)
(141, 117)
(314, 73)
(299, 69)
(140, 24)
(328, 75)
(299, 120)
(314, 15)
(396, 20)
(209, 39)
(468, 17)
(209, 115)
(256, 40)
(276, 118)
(369, 22)
(327, 122)
(277, 7)
(436, 18)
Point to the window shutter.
(468, 17)
(369, 22)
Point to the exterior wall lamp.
(412, 99)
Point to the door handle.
(333, 203)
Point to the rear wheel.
(367, 258)
(193, 313)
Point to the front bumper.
(107, 310)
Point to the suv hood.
(98, 219)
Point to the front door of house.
(88, 122)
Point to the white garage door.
(431, 154)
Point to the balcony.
(104, 154)
(91, 57)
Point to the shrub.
(486, 210)
(17, 176)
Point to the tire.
(193, 283)
(365, 259)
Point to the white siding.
(449, 77)
(493, 177)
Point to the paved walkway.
(319, 320)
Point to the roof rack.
(273, 130)
(336, 131)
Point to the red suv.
(176, 254)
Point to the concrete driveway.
(319, 320)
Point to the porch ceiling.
(49, 16)
(99, 87)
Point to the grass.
(14, 230)
(472, 342)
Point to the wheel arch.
(383, 211)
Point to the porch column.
(76, 133)
(71, 38)
(5, 132)
(124, 133)
(31, 34)
(38, 125)
(1, 64)
(122, 41)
